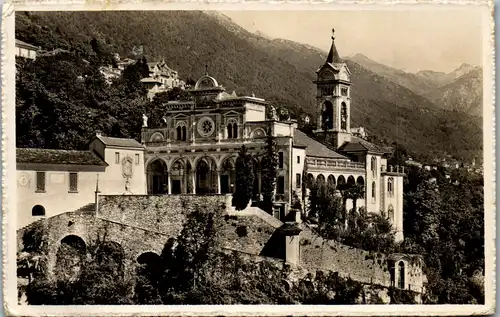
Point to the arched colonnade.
(195, 175)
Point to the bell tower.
(333, 101)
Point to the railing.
(334, 164)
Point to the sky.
(411, 40)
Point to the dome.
(206, 82)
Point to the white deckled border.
(9, 162)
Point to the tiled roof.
(313, 147)
(358, 144)
(119, 142)
(68, 157)
(24, 44)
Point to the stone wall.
(360, 265)
(248, 234)
(157, 213)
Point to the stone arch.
(70, 258)
(341, 180)
(327, 116)
(157, 176)
(331, 181)
(360, 181)
(150, 266)
(258, 133)
(228, 175)
(157, 137)
(310, 180)
(110, 255)
(320, 179)
(38, 210)
(351, 181)
(206, 175)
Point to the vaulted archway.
(157, 173)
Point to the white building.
(50, 182)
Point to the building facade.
(51, 182)
(26, 50)
(195, 152)
(196, 149)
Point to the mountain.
(279, 70)
(417, 84)
(439, 79)
(464, 94)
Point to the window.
(232, 130)
(373, 191)
(298, 159)
(235, 131)
(281, 185)
(40, 181)
(38, 210)
(374, 166)
(181, 132)
(117, 157)
(137, 159)
(390, 186)
(343, 91)
(280, 159)
(298, 183)
(401, 275)
(73, 182)
(343, 116)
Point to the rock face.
(465, 94)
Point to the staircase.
(257, 212)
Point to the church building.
(194, 151)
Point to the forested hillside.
(278, 70)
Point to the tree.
(269, 172)
(245, 177)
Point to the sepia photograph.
(286, 158)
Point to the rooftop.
(360, 145)
(26, 45)
(48, 156)
(313, 147)
(119, 142)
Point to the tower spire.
(333, 55)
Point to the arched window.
(320, 179)
(373, 166)
(179, 134)
(235, 130)
(390, 186)
(181, 131)
(401, 275)
(351, 181)
(331, 181)
(229, 130)
(38, 210)
(184, 133)
(341, 180)
(327, 117)
(343, 116)
(373, 191)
